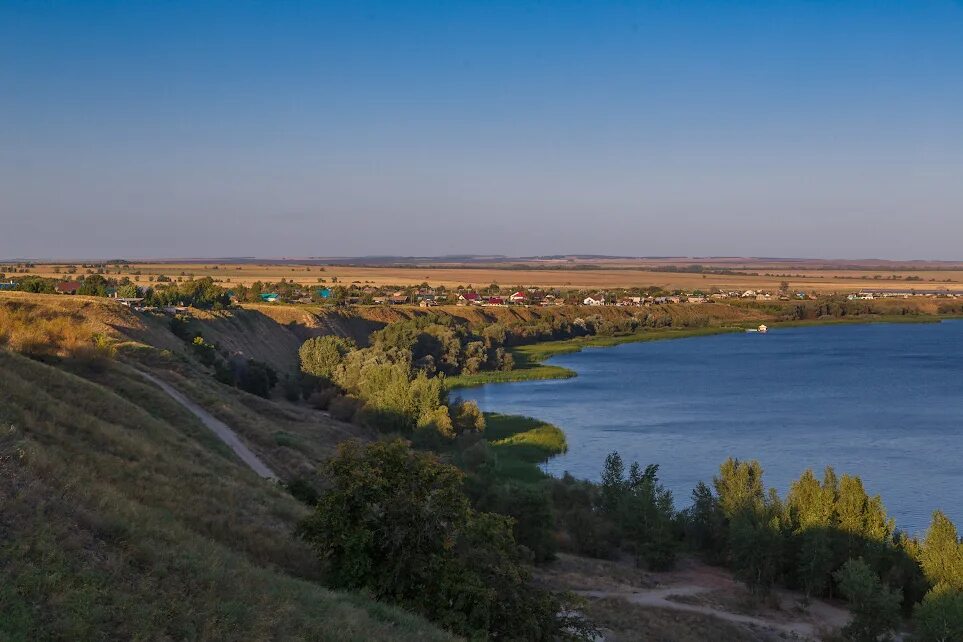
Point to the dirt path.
(218, 427)
(660, 598)
(693, 587)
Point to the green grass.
(120, 518)
(521, 443)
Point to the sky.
(827, 129)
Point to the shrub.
(397, 524)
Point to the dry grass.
(562, 275)
(34, 330)
(122, 518)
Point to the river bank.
(530, 359)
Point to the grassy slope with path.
(123, 517)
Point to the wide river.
(882, 401)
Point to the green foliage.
(739, 487)
(875, 607)
(941, 554)
(321, 356)
(705, 525)
(757, 545)
(939, 617)
(205, 352)
(256, 377)
(128, 291)
(642, 509)
(397, 524)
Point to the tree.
(939, 617)
(941, 554)
(613, 484)
(320, 356)
(468, 418)
(757, 544)
(128, 291)
(875, 607)
(705, 525)
(739, 486)
(396, 523)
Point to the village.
(130, 294)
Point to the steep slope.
(122, 517)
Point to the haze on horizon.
(803, 129)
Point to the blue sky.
(162, 129)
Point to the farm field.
(600, 274)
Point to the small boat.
(761, 329)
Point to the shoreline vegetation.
(530, 359)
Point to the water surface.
(883, 401)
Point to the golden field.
(601, 274)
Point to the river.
(882, 401)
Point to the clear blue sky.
(160, 129)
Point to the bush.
(257, 378)
(397, 524)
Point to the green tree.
(941, 554)
(397, 524)
(705, 525)
(739, 486)
(939, 617)
(757, 545)
(128, 291)
(321, 356)
(875, 607)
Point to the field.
(588, 274)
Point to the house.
(469, 298)
(398, 298)
(495, 300)
(518, 297)
(696, 298)
(427, 302)
(594, 301)
(269, 297)
(629, 301)
(67, 287)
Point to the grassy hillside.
(122, 517)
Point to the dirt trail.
(694, 587)
(218, 427)
(661, 598)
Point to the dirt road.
(218, 427)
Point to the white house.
(593, 301)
